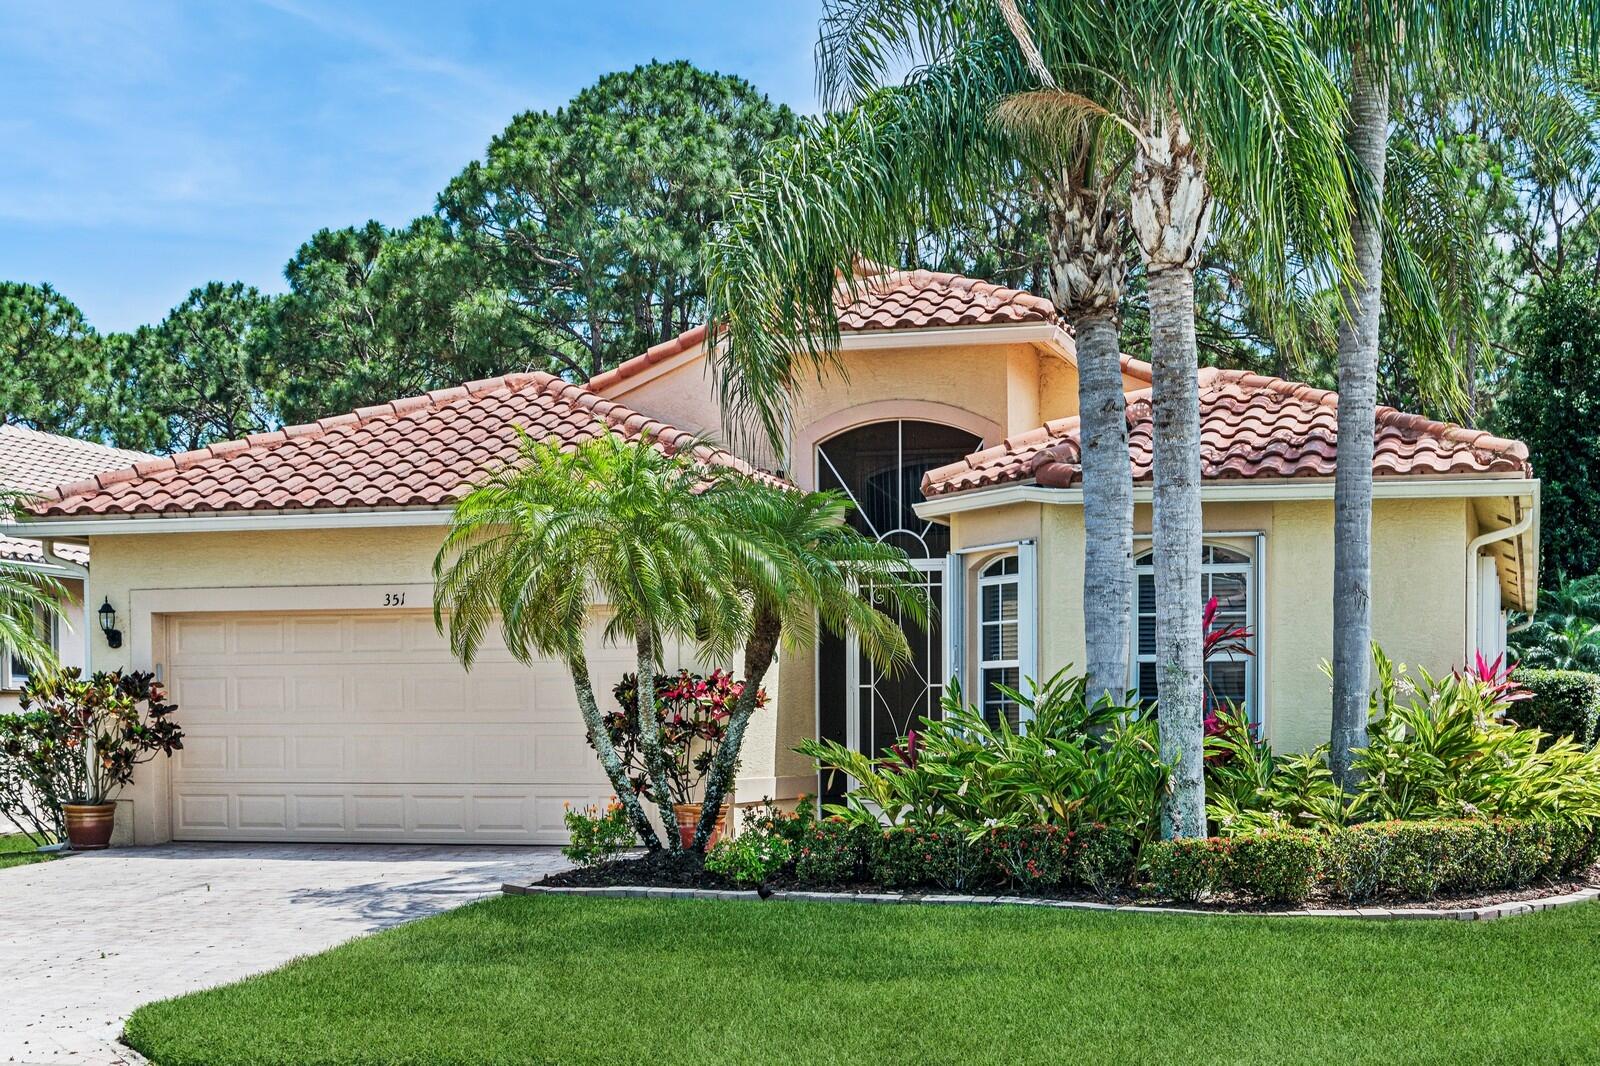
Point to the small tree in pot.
(81, 741)
(692, 712)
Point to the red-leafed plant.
(693, 712)
(1220, 640)
(1495, 675)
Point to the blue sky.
(148, 147)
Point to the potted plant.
(693, 713)
(109, 724)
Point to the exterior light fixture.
(108, 624)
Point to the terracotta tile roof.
(1250, 427)
(31, 461)
(34, 462)
(417, 452)
(885, 300)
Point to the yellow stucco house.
(281, 585)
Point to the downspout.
(82, 572)
(1474, 547)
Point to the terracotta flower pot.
(688, 816)
(89, 824)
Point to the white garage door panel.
(361, 726)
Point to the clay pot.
(688, 816)
(89, 824)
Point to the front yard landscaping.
(18, 850)
(571, 980)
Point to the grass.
(572, 980)
(18, 850)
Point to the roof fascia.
(1240, 492)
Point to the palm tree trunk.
(1087, 271)
(759, 652)
(1171, 204)
(1107, 508)
(589, 708)
(1176, 540)
(655, 762)
(1358, 392)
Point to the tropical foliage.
(1072, 764)
(692, 713)
(681, 549)
(1440, 748)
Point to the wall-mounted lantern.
(108, 624)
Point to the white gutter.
(1474, 547)
(77, 529)
(1242, 491)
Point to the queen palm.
(872, 179)
(1486, 41)
(634, 525)
(802, 567)
(1208, 95)
(25, 599)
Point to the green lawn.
(570, 980)
(18, 850)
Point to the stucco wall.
(130, 569)
(1418, 610)
(990, 389)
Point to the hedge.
(1564, 703)
(1410, 860)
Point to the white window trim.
(987, 666)
(1253, 569)
(961, 616)
(10, 681)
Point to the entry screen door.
(879, 467)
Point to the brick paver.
(85, 940)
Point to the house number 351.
(394, 599)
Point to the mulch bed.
(667, 870)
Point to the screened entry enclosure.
(879, 468)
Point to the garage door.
(361, 727)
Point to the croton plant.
(692, 711)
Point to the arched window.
(879, 467)
(999, 640)
(1228, 575)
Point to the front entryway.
(879, 467)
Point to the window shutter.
(1028, 614)
(954, 621)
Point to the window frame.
(998, 580)
(10, 681)
(1251, 569)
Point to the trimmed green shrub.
(1104, 862)
(751, 858)
(907, 857)
(832, 852)
(1188, 870)
(1032, 858)
(1574, 847)
(1565, 703)
(1353, 864)
(1279, 866)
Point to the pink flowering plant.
(693, 712)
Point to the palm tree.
(873, 179)
(26, 599)
(800, 565)
(1370, 42)
(1216, 97)
(634, 525)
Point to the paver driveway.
(85, 940)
